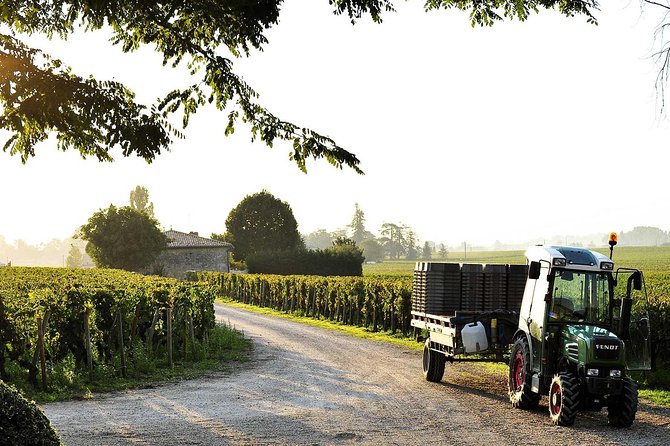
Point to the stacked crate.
(418, 288)
(495, 287)
(472, 287)
(445, 288)
(428, 293)
(516, 284)
(452, 287)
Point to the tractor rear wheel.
(433, 363)
(564, 399)
(621, 413)
(519, 382)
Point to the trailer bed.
(483, 300)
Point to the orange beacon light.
(614, 238)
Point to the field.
(647, 259)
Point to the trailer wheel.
(564, 399)
(433, 364)
(519, 382)
(621, 413)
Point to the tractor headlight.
(615, 373)
(559, 262)
(592, 372)
(607, 266)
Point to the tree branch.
(94, 116)
(656, 4)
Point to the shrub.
(22, 422)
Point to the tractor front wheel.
(621, 412)
(519, 382)
(433, 363)
(563, 399)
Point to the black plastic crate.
(472, 287)
(495, 287)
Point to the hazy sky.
(508, 133)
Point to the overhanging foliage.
(39, 95)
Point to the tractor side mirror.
(534, 270)
(634, 282)
(637, 281)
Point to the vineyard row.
(375, 303)
(47, 314)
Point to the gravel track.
(307, 385)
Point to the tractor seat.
(563, 307)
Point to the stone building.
(189, 252)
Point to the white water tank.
(474, 338)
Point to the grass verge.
(656, 396)
(67, 380)
(653, 387)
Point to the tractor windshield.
(580, 296)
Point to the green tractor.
(583, 326)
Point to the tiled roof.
(193, 240)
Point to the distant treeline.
(644, 236)
(53, 253)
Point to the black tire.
(519, 380)
(621, 413)
(433, 364)
(564, 399)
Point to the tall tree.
(122, 238)
(261, 222)
(443, 253)
(393, 240)
(139, 201)
(399, 240)
(427, 251)
(357, 226)
(40, 95)
(75, 259)
(411, 244)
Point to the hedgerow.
(327, 262)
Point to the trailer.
(466, 312)
(564, 322)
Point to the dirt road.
(306, 385)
